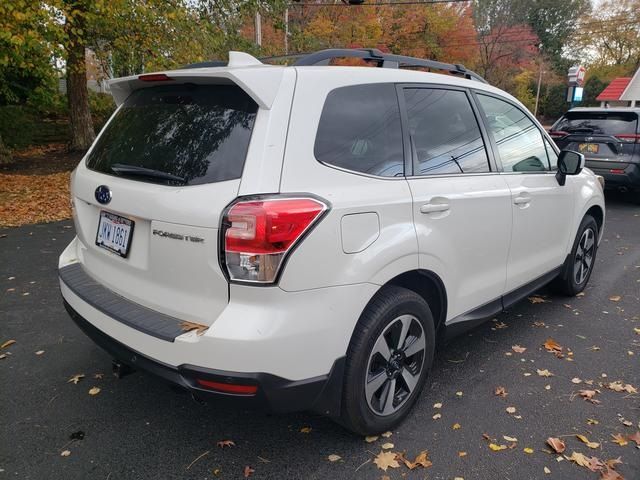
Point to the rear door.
(171, 159)
(608, 140)
(541, 207)
(462, 206)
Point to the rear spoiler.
(261, 82)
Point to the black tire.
(380, 321)
(568, 282)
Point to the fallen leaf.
(3, 356)
(552, 346)
(613, 462)
(544, 373)
(586, 441)
(305, 430)
(497, 448)
(619, 439)
(226, 443)
(576, 380)
(518, 349)
(422, 460)
(65, 453)
(528, 450)
(248, 471)
(437, 416)
(385, 460)
(6, 344)
(592, 421)
(547, 387)
(456, 426)
(635, 437)
(387, 446)
(94, 391)
(500, 325)
(39, 352)
(501, 392)
(610, 474)
(387, 434)
(98, 376)
(334, 458)
(511, 409)
(546, 470)
(537, 299)
(76, 378)
(626, 423)
(618, 386)
(557, 444)
(588, 395)
(592, 463)
(459, 394)
(371, 438)
(615, 298)
(637, 330)
(191, 326)
(510, 439)
(437, 405)
(462, 454)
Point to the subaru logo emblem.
(103, 194)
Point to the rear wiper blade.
(123, 169)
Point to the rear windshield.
(195, 133)
(600, 123)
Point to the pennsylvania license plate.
(114, 233)
(588, 147)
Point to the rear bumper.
(629, 178)
(274, 394)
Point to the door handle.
(434, 207)
(522, 200)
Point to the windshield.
(600, 123)
(199, 133)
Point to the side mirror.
(569, 163)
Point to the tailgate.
(149, 196)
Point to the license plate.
(588, 147)
(114, 233)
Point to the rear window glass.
(196, 133)
(359, 130)
(600, 123)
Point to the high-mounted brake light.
(557, 134)
(258, 235)
(631, 138)
(154, 77)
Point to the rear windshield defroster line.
(197, 133)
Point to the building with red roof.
(621, 92)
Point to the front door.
(541, 207)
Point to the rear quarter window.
(359, 130)
(200, 133)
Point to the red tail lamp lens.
(154, 77)
(228, 387)
(260, 233)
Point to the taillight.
(258, 235)
(555, 134)
(154, 77)
(631, 138)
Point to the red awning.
(614, 90)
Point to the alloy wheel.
(584, 256)
(395, 365)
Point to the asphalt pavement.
(138, 428)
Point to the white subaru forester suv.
(300, 236)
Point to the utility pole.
(535, 110)
(286, 31)
(258, 29)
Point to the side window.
(519, 141)
(551, 153)
(360, 130)
(444, 132)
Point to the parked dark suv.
(609, 138)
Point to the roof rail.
(385, 60)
